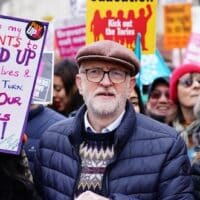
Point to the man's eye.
(117, 73)
(94, 71)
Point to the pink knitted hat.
(177, 74)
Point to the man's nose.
(106, 80)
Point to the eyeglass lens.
(188, 82)
(97, 75)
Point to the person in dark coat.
(108, 151)
(40, 118)
(194, 130)
(16, 181)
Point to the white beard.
(105, 108)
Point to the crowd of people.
(99, 141)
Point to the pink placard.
(69, 40)
(192, 53)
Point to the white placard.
(21, 46)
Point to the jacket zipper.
(105, 186)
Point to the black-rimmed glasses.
(96, 75)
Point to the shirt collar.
(107, 129)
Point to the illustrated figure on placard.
(141, 24)
(105, 24)
(120, 37)
(130, 39)
(95, 25)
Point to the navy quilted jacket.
(151, 161)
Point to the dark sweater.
(96, 151)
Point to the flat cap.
(177, 73)
(109, 51)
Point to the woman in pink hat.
(184, 91)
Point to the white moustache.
(109, 92)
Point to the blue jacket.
(39, 120)
(150, 163)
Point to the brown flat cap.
(110, 51)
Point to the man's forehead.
(101, 64)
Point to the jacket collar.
(34, 112)
(122, 133)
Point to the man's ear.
(79, 83)
(131, 85)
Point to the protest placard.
(121, 21)
(192, 52)
(69, 37)
(164, 2)
(43, 91)
(21, 45)
(177, 25)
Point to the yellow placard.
(177, 25)
(121, 21)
